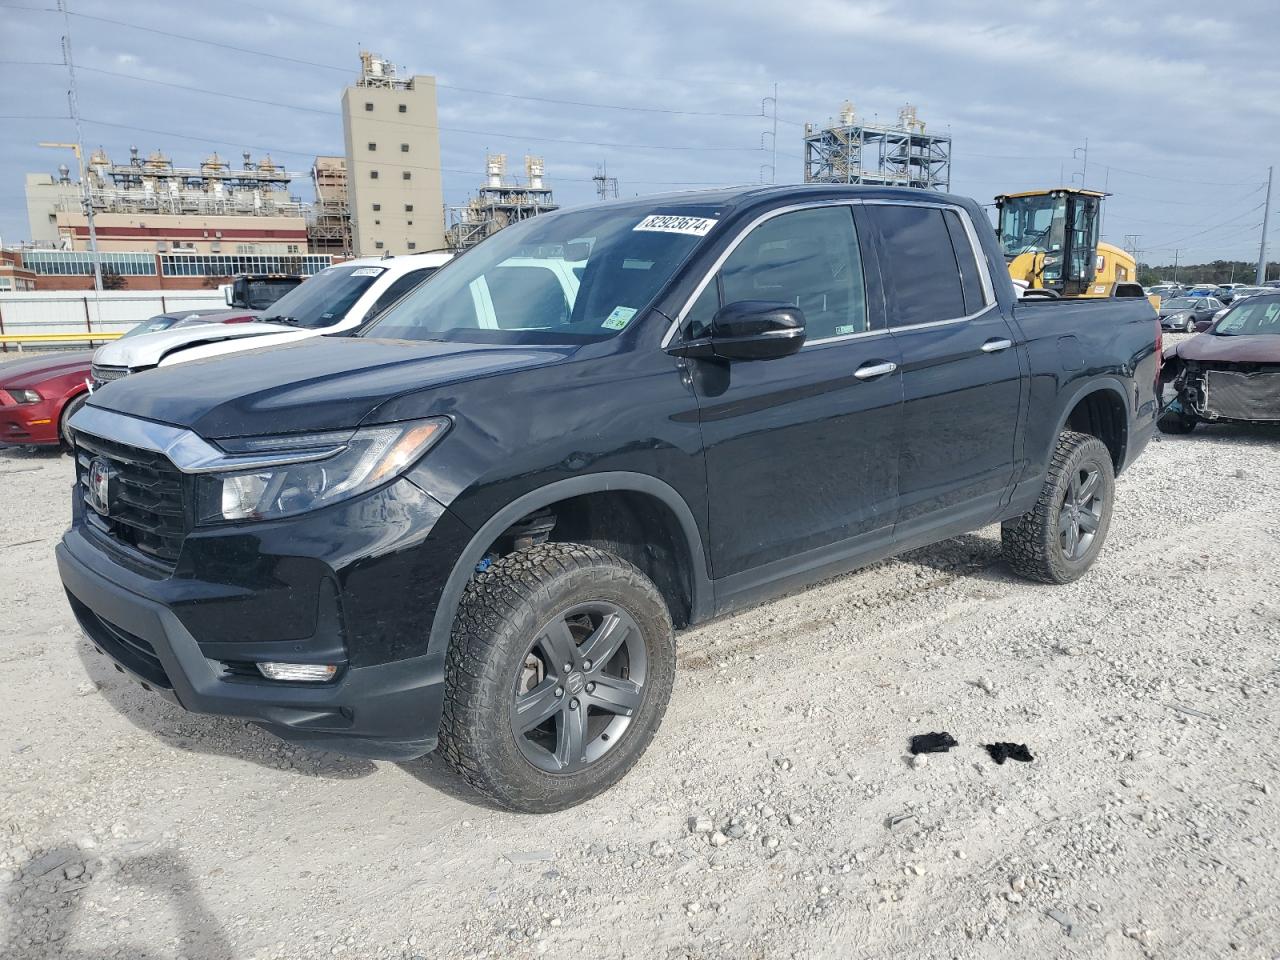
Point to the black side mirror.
(750, 330)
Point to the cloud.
(1165, 100)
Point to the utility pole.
(1266, 223)
(1175, 266)
(1076, 154)
(74, 103)
(773, 162)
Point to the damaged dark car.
(1229, 374)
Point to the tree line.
(1219, 271)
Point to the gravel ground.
(777, 813)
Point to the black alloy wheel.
(1081, 512)
(578, 686)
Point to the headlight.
(367, 458)
(25, 396)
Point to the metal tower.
(852, 151)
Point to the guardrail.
(34, 339)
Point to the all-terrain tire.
(502, 610)
(1032, 543)
(1176, 423)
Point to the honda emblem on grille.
(100, 485)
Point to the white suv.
(335, 300)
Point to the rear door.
(961, 372)
(801, 451)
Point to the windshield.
(1179, 303)
(1030, 224)
(260, 294)
(1256, 316)
(323, 300)
(161, 322)
(571, 277)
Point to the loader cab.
(1050, 238)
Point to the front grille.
(146, 509)
(105, 374)
(1242, 396)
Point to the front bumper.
(29, 424)
(190, 639)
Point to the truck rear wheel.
(1058, 539)
(559, 671)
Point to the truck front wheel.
(1058, 539)
(559, 671)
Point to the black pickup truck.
(477, 524)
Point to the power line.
(423, 126)
(440, 84)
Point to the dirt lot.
(1147, 825)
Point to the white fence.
(112, 311)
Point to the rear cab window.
(928, 264)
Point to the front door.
(801, 451)
(961, 372)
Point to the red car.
(39, 394)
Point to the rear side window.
(970, 279)
(919, 264)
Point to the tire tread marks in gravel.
(1030, 543)
(500, 609)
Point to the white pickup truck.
(335, 300)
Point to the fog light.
(309, 672)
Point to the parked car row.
(1227, 293)
(38, 395)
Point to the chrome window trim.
(975, 245)
(984, 272)
(187, 451)
(728, 252)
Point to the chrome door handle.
(995, 346)
(871, 370)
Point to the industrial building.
(329, 230)
(394, 189)
(501, 202)
(854, 151)
(150, 204)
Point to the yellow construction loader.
(1050, 242)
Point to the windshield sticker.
(368, 271)
(665, 223)
(619, 319)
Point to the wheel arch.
(595, 485)
(1100, 408)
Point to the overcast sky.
(1179, 108)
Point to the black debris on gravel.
(1000, 752)
(933, 743)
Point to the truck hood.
(147, 350)
(1207, 347)
(322, 383)
(36, 370)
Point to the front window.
(573, 277)
(154, 325)
(1034, 224)
(324, 299)
(1180, 303)
(1257, 316)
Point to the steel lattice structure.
(855, 152)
